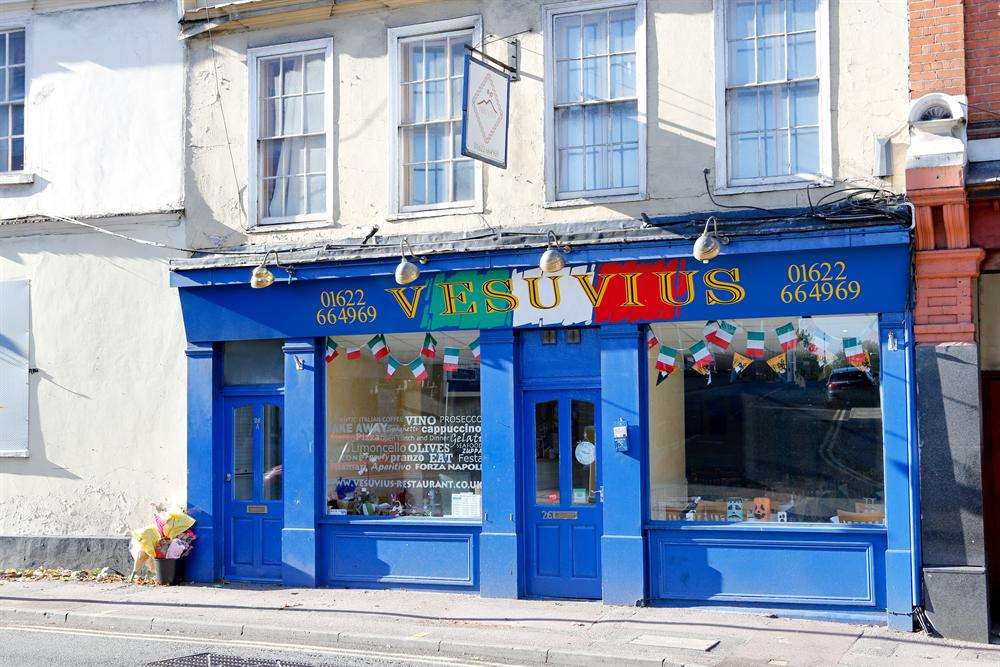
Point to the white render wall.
(869, 98)
(107, 433)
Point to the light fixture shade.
(706, 247)
(406, 272)
(261, 277)
(552, 261)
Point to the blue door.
(254, 488)
(563, 493)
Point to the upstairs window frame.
(397, 39)
(14, 125)
(726, 183)
(553, 195)
(256, 58)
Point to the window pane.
(398, 445)
(438, 147)
(314, 121)
(414, 190)
(805, 147)
(267, 199)
(745, 162)
(3, 85)
(624, 122)
(316, 186)
(270, 117)
(413, 61)
(624, 166)
(595, 124)
(802, 445)
(622, 29)
(743, 116)
(569, 126)
(17, 154)
(5, 123)
(584, 444)
(740, 14)
(437, 182)
(596, 158)
(295, 197)
(273, 458)
(274, 203)
(571, 176)
(436, 104)
(270, 158)
(456, 140)
(741, 62)
(456, 98)
(595, 34)
(547, 453)
(16, 47)
(291, 115)
(435, 59)
(774, 103)
(3, 49)
(568, 81)
(16, 91)
(770, 17)
(776, 153)
(623, 76)
(291, 75)
(316, 154)
(414, 144)
(771, 59)
(4, 155)
(270, 78)
(801, 15)
(243, 453)
(315, 70)
(413, 103)
(567, 36)
(464, 185)
(805, 103)
(595, 79)
(458, 54)
(253, 362)
(802, 55)
(294, 151)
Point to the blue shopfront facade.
(576, 351)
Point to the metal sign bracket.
(513, 58)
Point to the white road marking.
(246, 643)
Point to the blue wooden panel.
(547, 550)
(244, 537)
(270, 530)
(584, 545)
(775, 568)
(548, 361)
(407, 556)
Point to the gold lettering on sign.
(409, 306)
(594, 294)
(491, 292)
(668, 290)
(533, 298)
(453, 298)
(631, 289)
(732, 291)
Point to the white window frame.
(254, 55)
(549, 13)
(26, 175)
(397, 210)
(726, 185)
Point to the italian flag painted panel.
(418, 369)
(451, 358)
(755, 344)
(787, 336)
(378, 346)
(853, 352)
(666, 360)
(332, 350)
(721, 334)
(702, 357)
(391, 366)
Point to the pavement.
(465, 628)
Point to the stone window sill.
(17, 178)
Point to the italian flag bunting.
(378, 346)
(430, 346)
(702, 357)
(820, 344)
(651, 340)
(660, 377)
(721, 334)
(474, 346)
(755, 344)
(391, 366)
(852, 350)
(332, 350)
(353, 352)
(418, 369)
(666, 360)
(451, 358)
(787, 336)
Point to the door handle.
(229, 477)
(600, 494)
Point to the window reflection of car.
(851, 387)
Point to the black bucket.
(167, 570)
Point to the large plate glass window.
(759, 433)
(596, 73)
(291, 109)
(12, 91)
(772, 90)
(403, 430)
(430, 72)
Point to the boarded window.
(14, 368)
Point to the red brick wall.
(937, 48)
(982, 52)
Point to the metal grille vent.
(216, 660)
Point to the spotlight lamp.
(553, 260)
(262, 277)
(406, 270)
(707, 246)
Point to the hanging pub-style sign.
(485, 107)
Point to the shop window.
(253, 362)
(403, 429)
(12, 93)
(742, 430)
